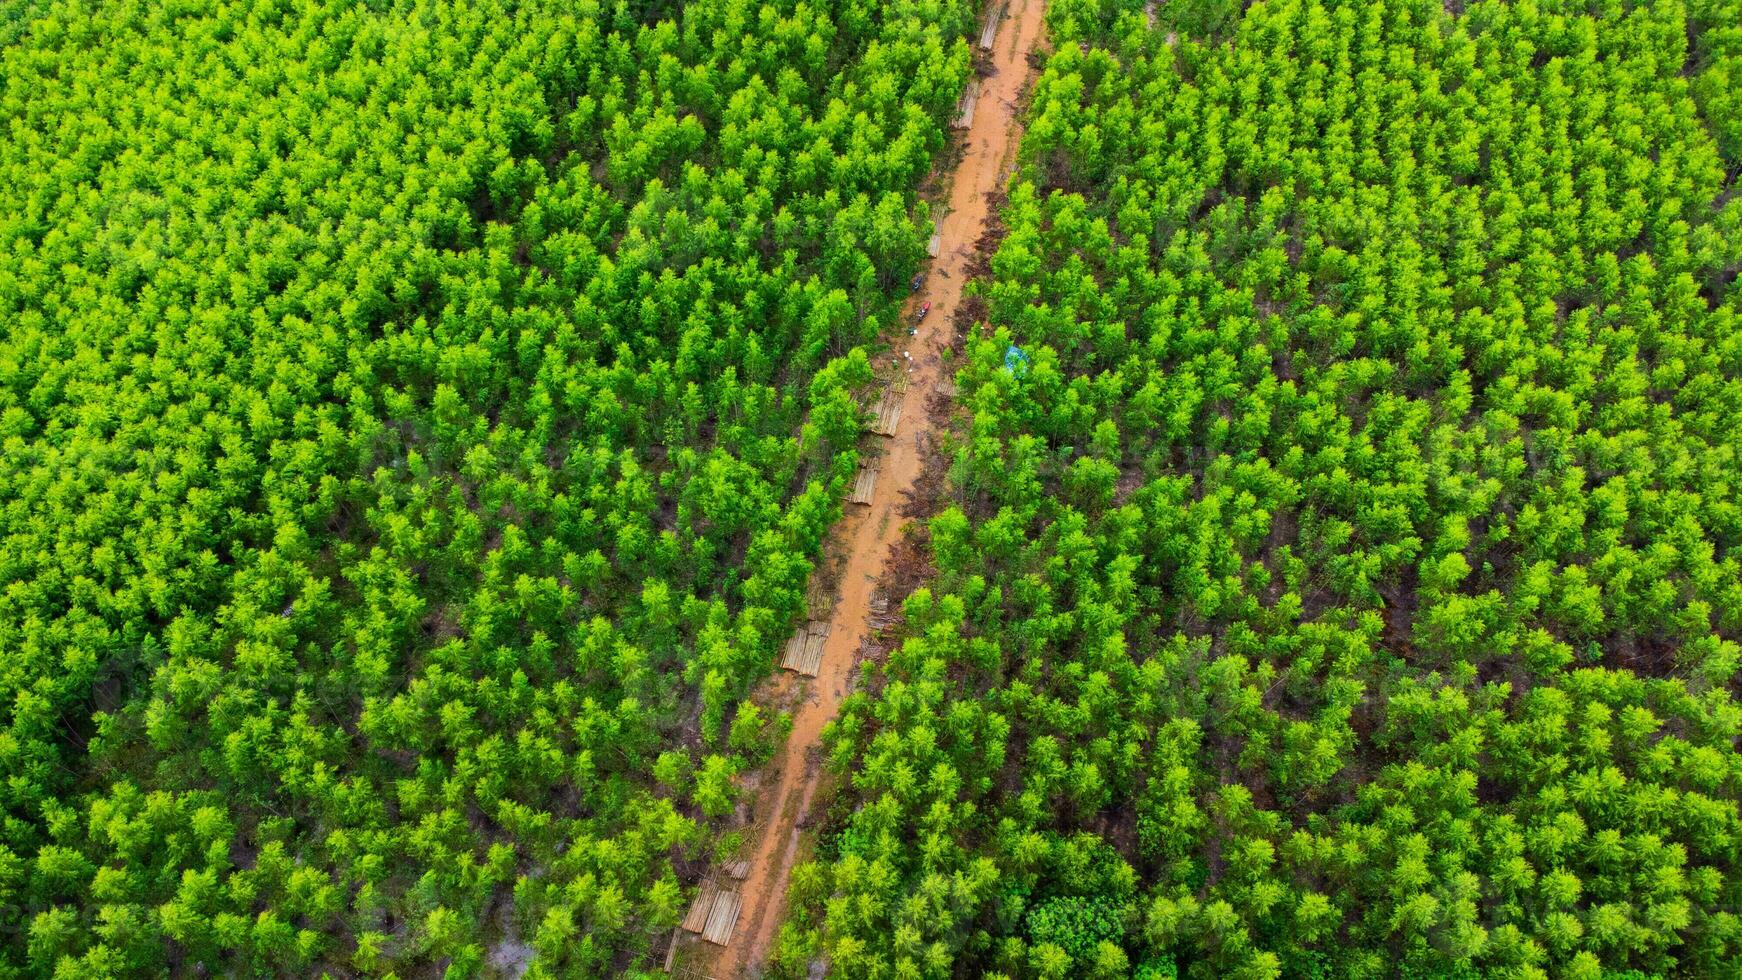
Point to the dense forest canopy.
(418, 422)
(1349, 581)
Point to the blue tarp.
(1015, 361)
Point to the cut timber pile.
(819, 602)
(991, 31)
(965, 108)
(723, 918)
(879, 618)
(804, 653)
(888, 412)
(714, 914)
(698, 914)
(863, 486)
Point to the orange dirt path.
(868, 532)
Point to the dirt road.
(868, 533)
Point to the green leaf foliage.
(1352, 585)
(401, 474)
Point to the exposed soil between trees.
(867, 535)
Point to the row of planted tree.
(1348, 581)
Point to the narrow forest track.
(864, 535)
